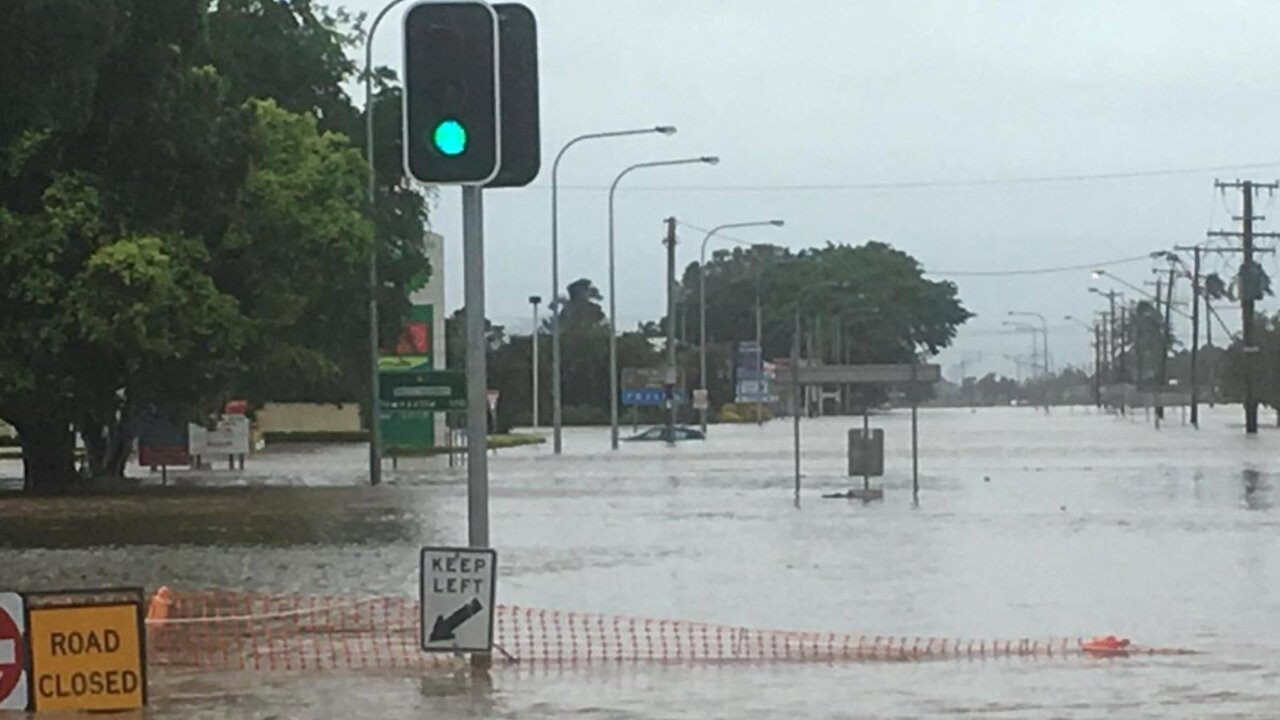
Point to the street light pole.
(1093, 330)
(702, 302)
(375, 411)
(1044, 338)
(534, 300)
(556, 402)
(613, 305)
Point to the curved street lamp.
(613, 305)
(1044, 326)
(702, 299)
(556, 403)
(375, 432)
(1034, 349)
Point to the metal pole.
(1116, 368)
(534, 301)
(915, 438)
(1167, 345)
(795, 396)
(702, 329)
(477, 371)
(557, 412)
(1195, 339)
(702, 303)
(375, 411)
(759, 358)
(672, 374)
(613, 330)
(613, 305)
(1048, 366)
(1097, 366)
(866, 443)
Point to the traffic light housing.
(518, 74)
(451, 105)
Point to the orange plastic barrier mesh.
(240, 631)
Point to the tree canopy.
(183, 216)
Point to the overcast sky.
(847, 92)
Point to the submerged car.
(659, 434)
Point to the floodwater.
(1029, 525)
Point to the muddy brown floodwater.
(1029, 525)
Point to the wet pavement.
(1028, 526)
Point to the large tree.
(860, 304)
(169, 233)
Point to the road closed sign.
(87, 651)
(13, 676)
(457, 599)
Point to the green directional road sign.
(438, 390)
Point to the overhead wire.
(966, 273)
(927, 184)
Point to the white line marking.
(8, 652)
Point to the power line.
(1041, 271)
(926, 184)
(963, 273)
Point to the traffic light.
(521, 129)
(452, 125)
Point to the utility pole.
(1165, 347)
(1195, 331)
(672, 374)
(1248, 289)
(1124, 343)
(1097, 366)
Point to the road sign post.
(13, 676)
(458, 592)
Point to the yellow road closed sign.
(86, 654)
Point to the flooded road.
(1028, 526)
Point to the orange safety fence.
(242, 631)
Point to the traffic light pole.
(477, 372)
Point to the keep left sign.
(457, 599)
(13, 676)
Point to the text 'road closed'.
(87, 657)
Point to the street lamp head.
(1068, 317)
(777, 223)
(535, 299)
(1095, 290)
(710, 159)
(665, 129)
(1098, 273)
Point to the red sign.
(11, 654)
(415, 340)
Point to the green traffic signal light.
(450, 138)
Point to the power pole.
(1248, 289)
(1195, 331)
(1124, 343)
(1165, 347)
(672, 376)
(1097, 365)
